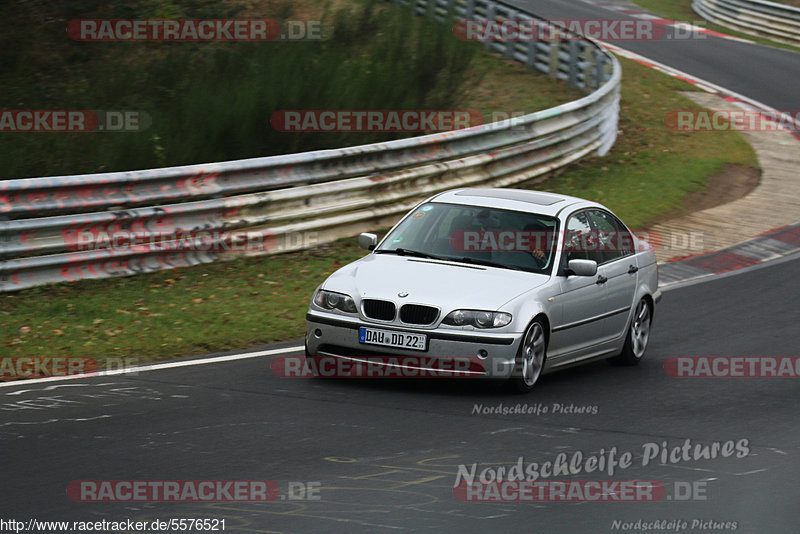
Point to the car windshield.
(477, 235)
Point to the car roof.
(541, 202)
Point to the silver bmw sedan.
(498, 283)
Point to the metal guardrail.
(769, 20)
(208, 210)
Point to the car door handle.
(601, 279)
(632, 269)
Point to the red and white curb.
(769, 246)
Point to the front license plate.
(392, 338)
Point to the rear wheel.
(530, 358)
(637, 337)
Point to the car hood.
(448, 285)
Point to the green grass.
(651, 169)
(252, 301)
(213, 101)
(186, 311)
(506, 86)
(682, 10)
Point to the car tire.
(637, 336)
(531, 356)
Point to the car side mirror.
(582, 267)
(367, 241)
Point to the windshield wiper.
(488, 263)
(408, 252)
(419, 254)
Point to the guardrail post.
(491, 14)
(469, 9)
(530, 57)
(600, 71)
(555, 50)
(574, 57)
(4, 238)
(511, 43)
(589, 79)
(450, 10)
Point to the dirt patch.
(731, 183)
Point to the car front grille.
(382, 310)
(418, 314)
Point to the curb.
(765, 246)
(770, 246)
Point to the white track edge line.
(155, 366)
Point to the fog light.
(318, 333)
(482, 354)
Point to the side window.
(613, 239)
(578, 240)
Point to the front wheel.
(530, 358)
(637, 337)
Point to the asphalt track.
(385, 453)
(766, 74)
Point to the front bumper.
(462, 352)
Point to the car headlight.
(330, 300)
(477, 318)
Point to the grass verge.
(651, 169)
(210, 307)
(258, 300)
(212, 101)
